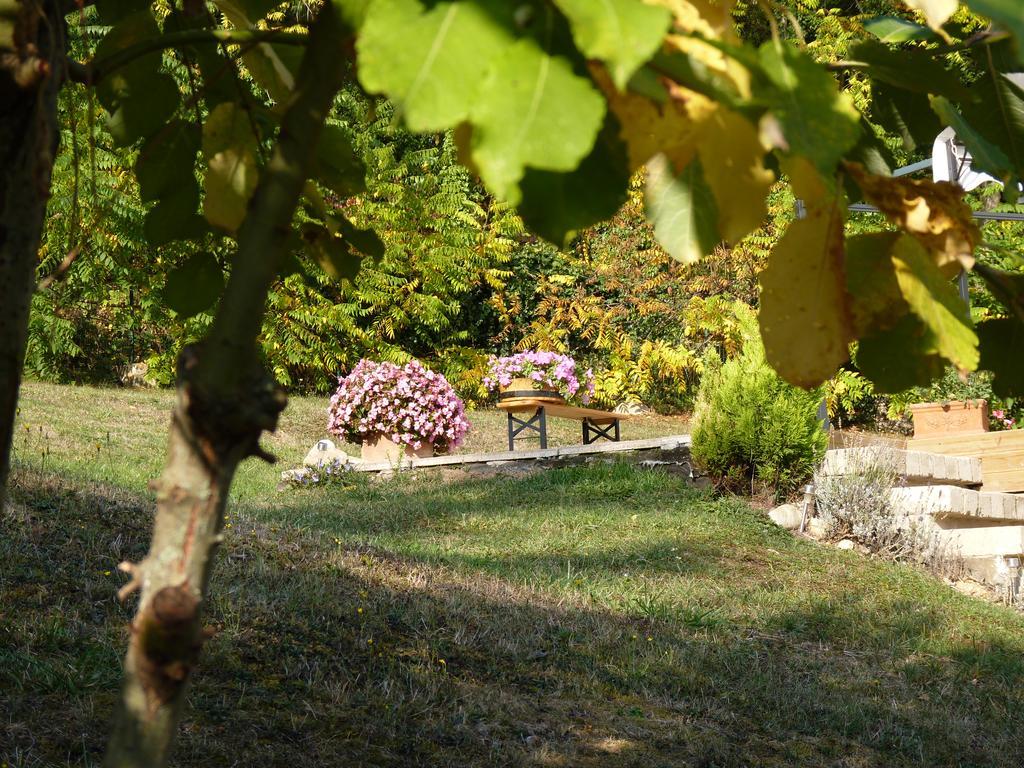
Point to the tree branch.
(225, 402)
(97, 69)
(61, 271)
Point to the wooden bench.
(596, 424)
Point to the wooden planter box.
(382, 449)
(952, 418)
(528, 389)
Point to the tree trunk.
(30, 78)
(225, 401)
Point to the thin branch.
(61, 271)
(100, 68)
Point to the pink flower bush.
(408, 404)
(550, 369)
(1001, 420)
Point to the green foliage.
(951, 386)
(449, 275)
(443, 242)
(752, 430)
(848, 397)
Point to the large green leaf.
(229, 147)
(167, 159)
(132, 77)
(935, 302)
(431, 61)
(898, 358)
(338, 167)
(682, 209)
(1006, 13)
(905, 114)
(194, 286)
(353, 12)
(555, 205)
(892, 29)
(144, 110)
(912, 69)
(817, 120)
(217, 71)
(694, 72)
(366, 241)
(1000, 342)
(622, 33)
(533, 111)
(175, 217)
(332, 254)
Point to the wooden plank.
(565, 411)
(1001, 454)
(964, 444)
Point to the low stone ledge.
(949, 501)
(665, 448)
(918, 467)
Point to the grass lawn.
(120, 435)
(603, 616)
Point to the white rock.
(846, 544)
(325, 452)
(816, 528)
(293, 475)
(787, 515)
(634, 409)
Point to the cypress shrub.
(753, 432)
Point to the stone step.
(994, 569)
(950, 501)
(918, 467)
(989, 541)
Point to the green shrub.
(753, 431)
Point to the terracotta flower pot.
(523, 387)
(381, 449)
(956, 417)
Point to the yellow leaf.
(805, 309)
(712, 18)
(648, 128)
(933, 212)
(936, 12)
(229, 147)
(732, 157)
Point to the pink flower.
(409, 404)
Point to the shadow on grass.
(342, 654)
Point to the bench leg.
(537, 423)
(592, 432)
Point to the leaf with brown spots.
(933, 212)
